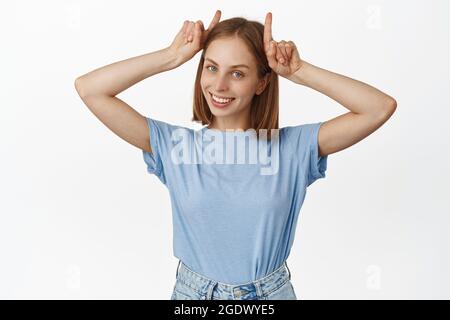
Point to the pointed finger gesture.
(283, 57)
(197, 35)
(212, 24)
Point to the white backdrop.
(80, 218)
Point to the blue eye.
(240, 74)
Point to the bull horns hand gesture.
(283, 57)
(191, 38)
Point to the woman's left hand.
(283, 57)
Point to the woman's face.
(222, 77)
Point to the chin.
(220, 113)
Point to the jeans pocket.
(180, 296)
(285, 292)
(183, 291)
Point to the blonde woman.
(234, 221)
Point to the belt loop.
(259, 291)
(178, 267)
(210, 289)
(288, 269)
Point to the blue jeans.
(190, 285)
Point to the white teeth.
(220, 100)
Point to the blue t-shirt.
(234, 218)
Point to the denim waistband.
(254, 289)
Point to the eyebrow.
(235, 66)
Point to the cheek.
(247, 92)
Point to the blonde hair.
(265, 106)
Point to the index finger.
(268, 28)
(215, 20)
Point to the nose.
(221, 83)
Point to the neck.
(224, 124)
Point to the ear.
(262, 84)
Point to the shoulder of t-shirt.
(166, 125)
(300, 133)
(298, 129)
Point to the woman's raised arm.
(98, 90)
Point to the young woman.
(234, 221)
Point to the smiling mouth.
(219, 104)
(211, 95)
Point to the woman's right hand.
(191, 38)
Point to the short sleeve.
(159, 133)
(317, 165)
(304, 141)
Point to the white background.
(80, 217)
